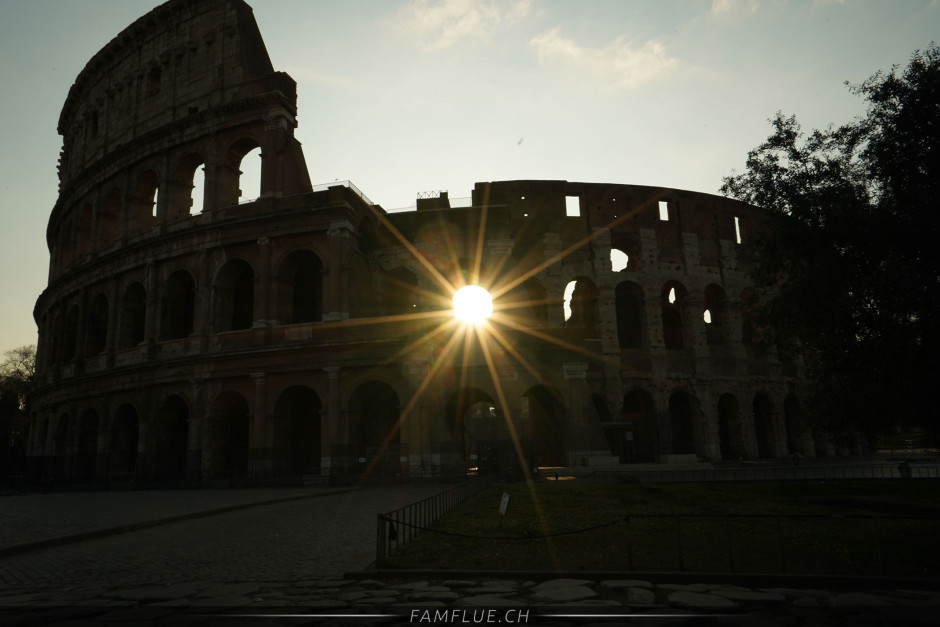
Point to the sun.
(472, 304)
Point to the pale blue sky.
(407, 96)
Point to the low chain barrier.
(397, 528)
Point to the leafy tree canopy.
(851, 267)
(17, 371)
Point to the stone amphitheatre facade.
(309, 332)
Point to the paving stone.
(806, 602)
(592, 603)
(488, 600)
(694, 587)
(333, 583)
(749, 597)
(354, 596)
(460, 583)
(794, 593)
(562, 583)
(221, 601)
(563, 594)
(415, 585)
(432, 595)
(378, 601)
(859, 599)
(320, 604)
(372, 583)
(698, 600)
(618, 584)
(503, 587)
(640, 596)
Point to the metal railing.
(397, 528)
(322, 187)
(763, 473)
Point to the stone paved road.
(294, 540)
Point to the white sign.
(504, 504)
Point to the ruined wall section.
(186, 88)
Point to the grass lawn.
(697, 541)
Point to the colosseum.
(195, 332)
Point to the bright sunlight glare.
(472, 304)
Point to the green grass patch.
(636, 529)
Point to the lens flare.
(472, 304)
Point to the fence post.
(381, 535)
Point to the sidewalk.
(32, 521)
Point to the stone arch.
(86, 446)
(730, 430)
(227, 437)
(96, 326)
(795, 423)
(749, 316)
(639, 435)
(474, 425)
(631, 327)
(716, 315)
(375, 410)
(84, 234)
(583, 304)
(178, 306)
(70, 339)
(143, 211)
(132, 316)
(764, 426)
(547, 414)
(182, 202)
(672, 303)
(234, 296)
(109, 219)
(683, 424)
(297, 431)
(525, 304)
(125, 433)
(170, 439)
(401, 291)
(230, 173)
(300, 288)
(60, 448)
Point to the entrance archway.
(297, 433)
(547, 418)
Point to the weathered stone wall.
(309, 330)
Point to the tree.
(850, 269)
(17, 371)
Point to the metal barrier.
(397, 528)
(766, 473)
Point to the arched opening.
(637, 439)
(749, 315)
(178, 306)
(794, 420)
(671, 303)
(96, 329)
(234, 297)
(479, 433)
(526, 304)
(581, 305)
(125, 430)
(60, 448)
(375, 406)
(763, 426)
(187, 188)
(715, 315)
(249, 178)
(300, 288)
(619, 260)
(628, 298)
(133, 316)
(401, 291)
(546, 413)
(85, 236)
(171, 439)
(297, 437)
(144, 203)
(70, 341)
(730, 437)
(86, 449)
(682, 420)
(227, 442)
(109, 219)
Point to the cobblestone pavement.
(301, 560)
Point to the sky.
(408, 96)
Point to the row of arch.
(149, 199)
